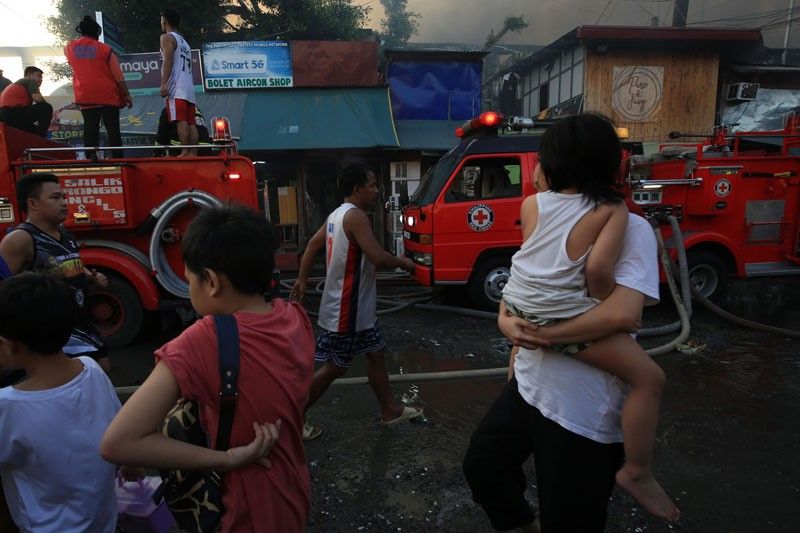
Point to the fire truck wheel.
(707, 273)
(487, 282)
(116, 311)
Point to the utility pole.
(788, 27)
(680, 13)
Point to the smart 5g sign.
(247, 65)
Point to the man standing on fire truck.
(41, 244)
(100, 88)
(177, 83)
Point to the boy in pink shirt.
(228, 253)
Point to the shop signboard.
(247, 65)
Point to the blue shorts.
(342, 347)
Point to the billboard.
(111, 33)
(143, 72)
(247, 65)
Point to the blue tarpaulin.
(435, 91)
(298, 119)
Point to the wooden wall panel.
(689, 91)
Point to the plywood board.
(653, 92)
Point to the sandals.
(409, 413)
(311, 432)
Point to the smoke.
(470, 21)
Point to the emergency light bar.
(221, 129)
(492, 120)
(489, 119)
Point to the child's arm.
(605, 252)
(133, 437)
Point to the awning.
(142, 118)
(306, 119)
(427, 134)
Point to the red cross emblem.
(480, 217)
(722, 187)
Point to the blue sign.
(111, 33)
(247, 65)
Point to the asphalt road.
(728, 440)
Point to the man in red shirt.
(22, 106)
(100, 88)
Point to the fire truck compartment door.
(719, 189)
(478, 210)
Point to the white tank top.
(181, 83)
(544, 280)
(348, 302)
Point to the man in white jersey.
(177, 84)
(564, 412)
(347, 318)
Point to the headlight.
(401, 218)
(424, 259)
(411, 221)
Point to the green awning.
(307, 119)
(427, 134)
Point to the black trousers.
(575, 475)
(91, 127)
(33, 118)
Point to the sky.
(465, 21)
(471, 20)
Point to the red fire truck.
(737, 199)
(129, 215)
(462, 224)
(737, 204)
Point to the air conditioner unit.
(742, 92)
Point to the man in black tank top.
(42, 245)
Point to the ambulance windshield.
(434, 180)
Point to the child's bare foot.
(649, 493)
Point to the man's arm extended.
(356, 224)
(315, 244)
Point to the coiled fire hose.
(163, 214)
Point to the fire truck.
(128, 216)
(736, 200)
(462, 224)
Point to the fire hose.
(681, 297)
(163, 215)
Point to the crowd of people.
(582, 397)
(100, 90)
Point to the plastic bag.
(138, 513)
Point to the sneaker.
(311, 432)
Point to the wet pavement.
(728, 444)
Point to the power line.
(603, 12)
